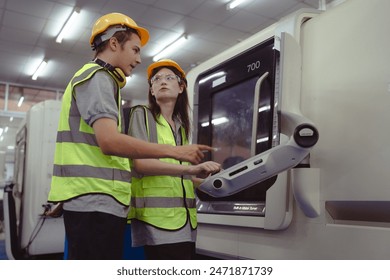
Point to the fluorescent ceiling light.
(216, 121)
(1, 131)
(20, 101)
(39, 70)
(264, 108)
(260, 140)
(215, 75)
(68, 25)
(171, 48)
(219, 121)
(231, 5)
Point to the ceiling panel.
(212, 11)
(28, 30)
(166, 20)
(176, 6)
(270, 9)
(36, 8)
(20, 21)
(244, 20)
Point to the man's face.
(129, 56)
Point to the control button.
(217, 183)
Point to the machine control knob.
(217, 183)
(306, 135)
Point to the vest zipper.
(182, 176)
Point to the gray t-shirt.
(96, 98)
(143, 233)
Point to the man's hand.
(192, 153)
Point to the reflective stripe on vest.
(165, 202)
(80, 167)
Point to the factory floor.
(3, 255)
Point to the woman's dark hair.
(182, 106)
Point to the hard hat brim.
(162, 63)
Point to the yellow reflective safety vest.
(80, 167)
(166, 202)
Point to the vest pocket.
(158, 212)
(157, 201)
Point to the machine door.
(238, 111)
(237, 114)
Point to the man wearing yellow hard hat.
(91, 175)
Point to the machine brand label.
(245, 208)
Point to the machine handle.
(256, 112)
(260, 167)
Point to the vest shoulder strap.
(150, 123)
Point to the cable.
(38, 227)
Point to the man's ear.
(113, 42)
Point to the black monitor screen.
(225, 98)
(231, 130)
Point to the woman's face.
(165, 85)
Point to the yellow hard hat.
(117, 19)
(164, 62)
